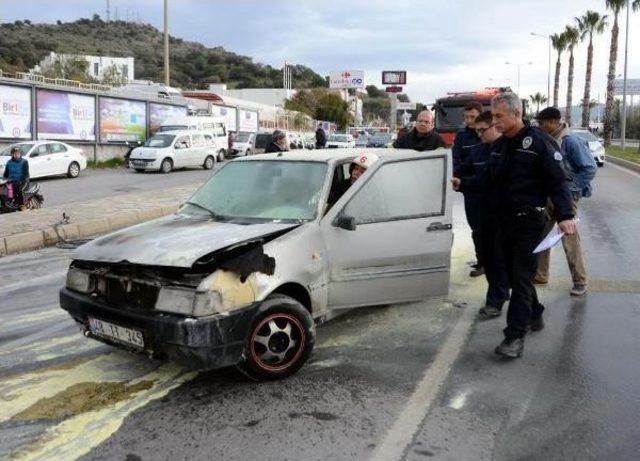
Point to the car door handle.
(438, 226)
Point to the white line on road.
(401, 434)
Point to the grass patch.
(631, 154)
(111, 163)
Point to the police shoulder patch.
(557, 156)
(526, 142)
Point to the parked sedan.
(340, 141)
(380, 140)
(47, 158)
(262, 252)
(596, 147)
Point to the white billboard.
(633, 86)
(248, 121)
(346, 79)
(406, 106)
(15, 112)
(229, 114)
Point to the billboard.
(122, 120)
(394, 77)
(160, 113)
(248, 121)
(229, 114)
(633, 86)
(15, 112)
(63, 115)
(346, 79)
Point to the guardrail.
(37, 78)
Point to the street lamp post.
(167, 80)
(518, 66)
(548, 37)
(623, 133)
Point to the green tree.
(571, 36)
(321, 104)
(113, 77)
(589, 24)
(559, 44)
(70, 68)
(538, 99)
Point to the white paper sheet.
(551, 240)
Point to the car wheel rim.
(75, 169)
(165, 166)
(209, 162)
(277, 342)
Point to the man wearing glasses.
(423, 136)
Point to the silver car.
(264, 251)
(595, 146)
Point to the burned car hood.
(176, 240)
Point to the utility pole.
(548, 37)
(167, 79)
(108, 10)
(623, 134)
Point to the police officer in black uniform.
(525, 169)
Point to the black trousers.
(520, 233)
(473, 210)
(17, 192)
(495, 269)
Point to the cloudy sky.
(444, 45)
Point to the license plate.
(116, 332)
(139, 163)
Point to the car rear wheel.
(74, 170)
(247, 153)
(166, 166)
(209, 162)
(280, 340)
(221, 155)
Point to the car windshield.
(160, 140)
(449, 117)
(262, 190)
(24, 148)
(587, 136)
(164, 128)
(338, 138)
(243, 137)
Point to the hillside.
(22, 45)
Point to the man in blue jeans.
(16, 172)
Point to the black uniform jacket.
(415, 141)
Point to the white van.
(216, 126)
(168, 150)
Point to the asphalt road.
(416, 381)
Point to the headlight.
(187, 301)
(79, 280)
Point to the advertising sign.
(229, 114)
(394, 77)
(122, 120)
(160, 113)
(633, 86)
(406, 106)
(393, 89)
(248, 121)
(346, 79)
(15, 112)
(63, 115)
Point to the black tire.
(139, 170)
(247, 153)
(287, 348)
(74, 170)
(600, 164)
(209, 162)
(221, 155)
(166, 166)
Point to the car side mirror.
(34, 154)
(345, 222)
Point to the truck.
(449, 109)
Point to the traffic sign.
(346, 79)
(393, 89)
(633, 86)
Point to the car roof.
(180, 132)
(337, 155)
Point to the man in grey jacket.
(581, 165)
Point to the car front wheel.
(280, 340)
(221, 155)
(74, 170)
(209, 162)
(166, 166)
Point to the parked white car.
(340, 141)
(214, 126)
(243, 144)
(169, 150)
(596, 147)
(47, 158)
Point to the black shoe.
(511, 348)
(477, 272)
(536, 324)
(489, 312)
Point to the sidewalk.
(33, 229)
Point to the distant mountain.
(23, 45)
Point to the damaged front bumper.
(210, 342)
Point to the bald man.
(423, 136)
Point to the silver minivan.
(168, 150)
(269, 247)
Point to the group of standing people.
(518, 180)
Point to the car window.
(183, 141)
(198, 140)
(208, 139)
(24, 149)
(219, 129)
(56, 147)
(40, 150)
(262, 140)
(160, 140)
(401, 190)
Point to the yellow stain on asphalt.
(78, 435)
(55, 313)
(45, 345)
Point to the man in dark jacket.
(423, 136)
(278, 142)
(16, 172)
(321, 138)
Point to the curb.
(34, 240)
(624, 163)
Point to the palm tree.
(559, 44)
(571, 36)
(589, 23)
(538, 99)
